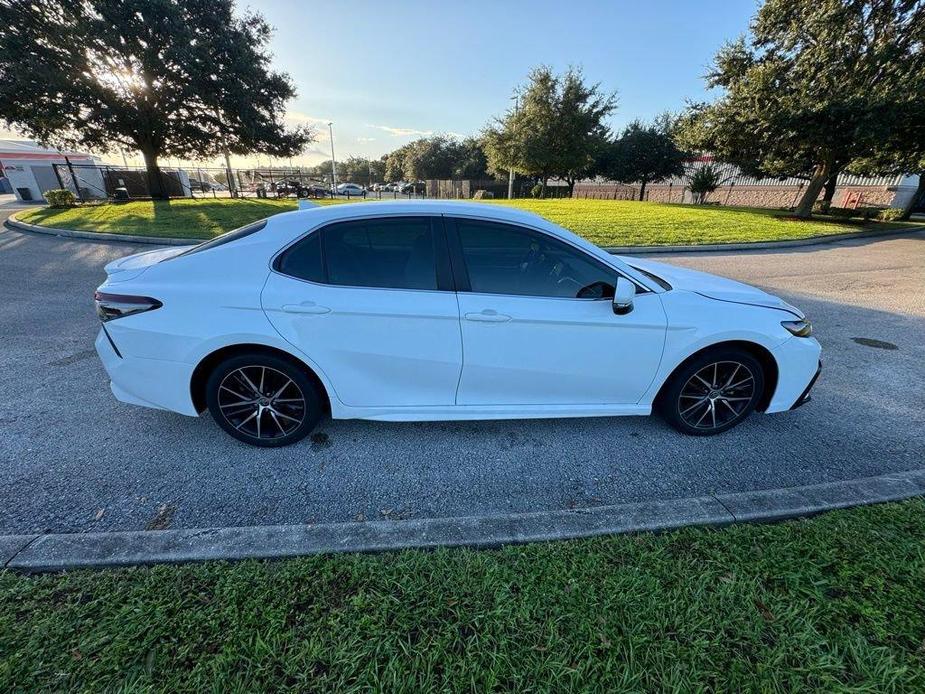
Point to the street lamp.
(333, 166)
(510, 177)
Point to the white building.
(30, 170)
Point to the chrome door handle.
(308, 307)
(488, 316)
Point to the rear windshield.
(227, 237)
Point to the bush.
(890, 214)
(59, 198)
(483, 195)
(844, 212)
(536, 191)
(821, 206)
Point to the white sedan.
(407, 311)
(350, 189)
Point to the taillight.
(110, 306)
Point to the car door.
(371, 303)
(538, 323)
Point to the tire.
(713, 392)
(288, 408)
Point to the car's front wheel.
(713, 392)
(263, 400)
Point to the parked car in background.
(351, 189)
(427, 310)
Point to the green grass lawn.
(605, 222)
(832, 603)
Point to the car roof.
(499, 212)
(298, 222)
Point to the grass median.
(605, 222)
(830, 603)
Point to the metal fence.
(91, 182)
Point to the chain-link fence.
(91, 182)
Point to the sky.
(388, 72)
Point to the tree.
(436, 157)
(176, 78)
(555, 131)
(703, 180)
(819, 84)
(644, 153)
(470, 161)
(359, 170)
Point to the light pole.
(333, 164)
(510, 176)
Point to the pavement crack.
(726, 508)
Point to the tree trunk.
(830, 184)
(543, 189)
(918, 195)
(642, 190)
(821, 174)
(156, 186)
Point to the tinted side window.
(394, 253)
(503, 259)
(303, 260)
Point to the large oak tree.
(818, 84)
(557, 129)
(178, 78)
(644, 153)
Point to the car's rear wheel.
(713, 392)
(263, 400)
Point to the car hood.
(712, 286)
(131, 266)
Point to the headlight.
(800, 328)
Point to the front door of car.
(371, 303)
(538, 323)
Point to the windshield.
(655, 278)
(227, 237)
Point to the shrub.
(703, 181)
(821, 206)
(844, 212)
(890, 214)
(59, 198)
(536, 191)
(483, 195)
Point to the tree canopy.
(818, 84)
(436, 157)
(178, 78)
(557, 129)
(644, 153)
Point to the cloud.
(300, 118)
(366, 139)
(401, 132)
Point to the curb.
(14, 223)
(57, 552)
(760, 245)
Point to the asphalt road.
(73, 459)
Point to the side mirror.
(623, 296)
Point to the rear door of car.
(371, 302)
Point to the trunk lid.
(132, 266)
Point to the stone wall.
(783, 197)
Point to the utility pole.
(510, 177)
(333, 164)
